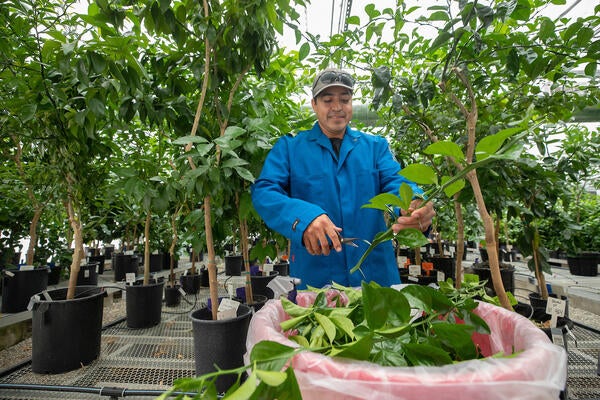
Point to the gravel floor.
(22, 351)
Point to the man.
(313, 184)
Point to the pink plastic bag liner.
(539, 371)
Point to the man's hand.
(319, 234)
(416, 217)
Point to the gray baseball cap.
(332, 77)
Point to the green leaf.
(439, 41)
(357, 350)
(384, 306)
(246, 389)
(420, 174)
(244, 174)
(491, 143)
(411, 237)
(446, 148)
(184, 140)
(293, 309)
(353, 20)
(344, 324)
(271, 378)
(454, 187)
(304, 51)
(458, 338)
(383, 200)
(327, 325)
(427, 355)
(406, 195)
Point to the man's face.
(333, 108)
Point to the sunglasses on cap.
(329, 77)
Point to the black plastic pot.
(507, 272)
(88, 275)
(158, 262)
(204, 281)
(584, 264)
(66, 334)
(234, 265)
(419, 279)
(172, 296)
(123, 264)
(283, 269)
(220, 343)
(143, 304)
(524, 309)
(99, 260)
(108, 252)
(55, 274)
(537, 302)
(444, 264)
(190, 283)
(18, 289)
(259, 284)
(563, 323)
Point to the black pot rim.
(196, 319)
(100, 291)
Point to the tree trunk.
(460, 240)
(33, 234)
(211, 265)
(147, 249)
(172, 249)
(490, 240)
(75, 223)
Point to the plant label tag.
(553, 320)
(31, 300)
(97, 267)
(267, 268)
(46, 295)
(401, 260)
(452, 249)
(556, 307)
(557, 337)
(185, 272)
(227, 309)
(130, 278)
(413, 278)
(183, 293)
(414, 270)
(86, 273)
(441, 277)
(26, 268)
(10, 274)
(129, 252)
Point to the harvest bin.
(537, 371)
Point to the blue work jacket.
(303, 178)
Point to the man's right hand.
(321, 235)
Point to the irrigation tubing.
(112, 392)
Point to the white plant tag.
(227, 309)
(26, 268)
(31, 300)
(402, 260)
(183, 293)
(46, 295)
(185, 272)
(413, 278)
(414, 270)
(556, 307)
(86, 273)
(97, 268)
(9, 273)
(441, 277)
(267, 268)
(130, 278)
(452, 249)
